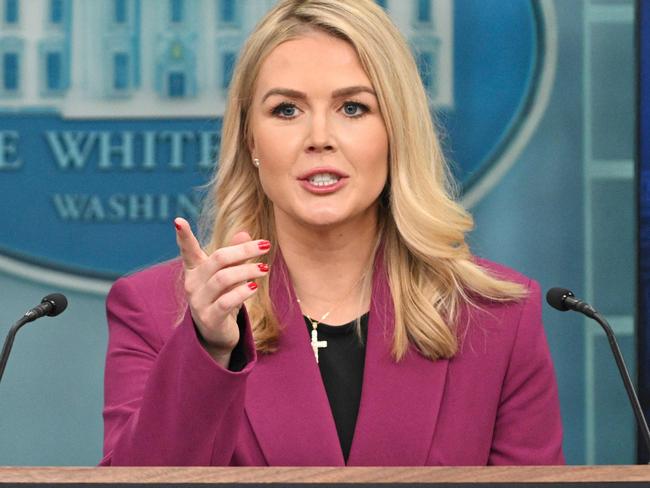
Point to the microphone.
(51, 305)
(562, 299)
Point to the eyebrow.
(341, 92)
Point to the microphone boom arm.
(51, 305)
(9, 342)
(625, 375)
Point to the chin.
(323, 218)
(323, 222)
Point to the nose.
(320, 137)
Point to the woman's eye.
(285, 110)
(353, 109)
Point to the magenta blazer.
(168, 403)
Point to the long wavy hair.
(430, 269)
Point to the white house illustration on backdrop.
(140, 58)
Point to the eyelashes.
(358, 109)
(351, 109)
(285, 110)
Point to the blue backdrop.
(536, 104)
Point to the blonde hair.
(430, 269)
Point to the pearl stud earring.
(256, 162)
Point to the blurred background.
(111, 111)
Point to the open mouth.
(324, 179)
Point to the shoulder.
(157, 275)
(151, 298)
(503, 272)
(501, 322)
(161, 281)
(504, 361)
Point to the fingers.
(217, 285)
(220, 312)
(209, 277)
(240, 238)
(234, 255)
(189, 246)
(232, 300)
(226, 280)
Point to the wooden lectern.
(482, 477)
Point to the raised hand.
(217, 285)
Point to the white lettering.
(94, 211)
(117, 207)
(9, 151)
(141, 207)
(163, 207)
(122, 150)
(125, 207)
(71, 149)
(69, 207)
(149, 150)
(209, 149)
(177, 140)
(188, 207)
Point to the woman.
(336, 315)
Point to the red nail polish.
(252, 285)
(178, 226)
(264, 245)
(263, 267)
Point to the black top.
(238, 356)
(341, 367)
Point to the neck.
(330, 267)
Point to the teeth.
(323, 179)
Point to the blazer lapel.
(399, 401)
(286, 401)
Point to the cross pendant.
(316, 344)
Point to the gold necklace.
(315, 343)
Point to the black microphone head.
(555, 298)
(58, 303)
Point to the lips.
(322, 180)
(322, 174)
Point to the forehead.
(314, 58)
